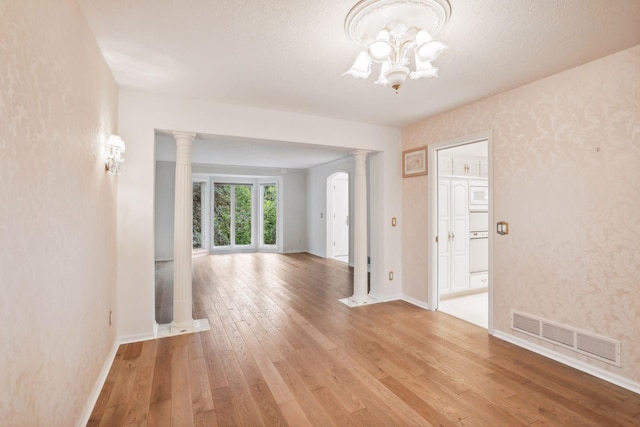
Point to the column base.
(169, 329)
(357, 302)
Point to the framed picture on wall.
(414, 162)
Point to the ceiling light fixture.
(403, 31)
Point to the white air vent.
(557, 334)
(525, 323)
(601, 348)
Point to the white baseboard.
(416, 302)
(569, 361)
(127, 339)
(558, 357)
(386, 298)
(97, 387)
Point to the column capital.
(184, 135)
(360, 153)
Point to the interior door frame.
(329, 252)
(432, 216)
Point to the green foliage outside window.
(243, 214)
(270, 204)
(222, 215)
(197, 214)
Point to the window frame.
(261, 245)
(205, 199)
(257, 221)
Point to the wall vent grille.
(595, 346)
(558, 334)
(598, 347)
(526, 324)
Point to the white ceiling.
(289, 54)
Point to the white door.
(341, 216)
(444, 260)
(459, 235)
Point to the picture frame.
(414, 162)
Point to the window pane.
(197, 214)
(270, 211)
(243, 214)
(222, 215)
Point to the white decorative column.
(182, 237)
(360, 285)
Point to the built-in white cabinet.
(463, 166)
(479, 280)
(445, 166)
(463, 203)
(484, 168)
(453, 235)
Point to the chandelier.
(404, 32)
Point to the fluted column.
(360, 284)
(182, 236)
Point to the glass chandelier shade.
(404, 43)
(361, 69)
(380, 49)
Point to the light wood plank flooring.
(284, 351)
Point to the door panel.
(340, 217)
(460, 235)
(443, 235)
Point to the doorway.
(338, 216)
(461, 285)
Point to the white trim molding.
(99, 384)
(416, 302)
(569, 361)
(551, 354)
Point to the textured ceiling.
(290, 54)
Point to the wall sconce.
(115, 148)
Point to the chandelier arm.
(405, 47)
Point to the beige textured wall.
(566, 161)
(58, 102)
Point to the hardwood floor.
(283, 351)
(164, 292)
